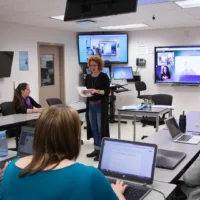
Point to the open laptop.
(167, 159)
(176, 134)
(132, 162)
(25, 145)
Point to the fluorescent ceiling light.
(127, 26)
(188, 3)
(60, 17)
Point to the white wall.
(184, 98)
(15, 37)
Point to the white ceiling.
(37, 13)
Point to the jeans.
(95, 123)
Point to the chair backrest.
(54, 101)
(7, 108)
(162, 99)
(140, 86)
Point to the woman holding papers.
(23, 103)
(97, 105)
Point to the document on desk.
(132, 107)
(84, 92)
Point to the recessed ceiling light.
(60, 17)
(188, 3)
(127, 26)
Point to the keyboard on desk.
(134, 192)
(185, 138)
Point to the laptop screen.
(128, 160)
(26, 142)
(173, 127)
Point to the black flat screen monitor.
(122, 73)
(79, 9)
(111, 47)
(105, 70)
(6, 59)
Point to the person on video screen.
(165, 73)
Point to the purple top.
(27, 103)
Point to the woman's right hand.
(119, 189)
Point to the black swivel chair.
(158, 99)
(141, 86)
(7, 109)
(54, 101)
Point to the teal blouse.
(74, 182)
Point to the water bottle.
(3, 144)
(182, 122)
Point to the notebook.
(25, 145)
(132, 162)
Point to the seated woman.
(51, 172)
(191, 185)
(22, 102)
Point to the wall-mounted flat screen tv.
(177, 65)
(113, 48)
(6, 59)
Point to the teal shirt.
(75, 182)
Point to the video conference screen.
(111, 48)
(177, 65)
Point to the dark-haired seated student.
(51, 172)
(23, 103)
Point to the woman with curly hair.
(97, 105)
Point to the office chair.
(7, 109)
(141, 86)
(158, 99)
(54, 101)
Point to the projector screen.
(177, 65)
(113, 48)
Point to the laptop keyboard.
(185, 138)
(133, 192)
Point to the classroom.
(129, 68)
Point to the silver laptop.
(176, 134)
(132, 162)
(25, 145)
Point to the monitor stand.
(112, 99)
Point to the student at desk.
(23, 103)
(51, 172)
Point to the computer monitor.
(105, 70)
(122, 73)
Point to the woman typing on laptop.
(51, 172)
(23, 103)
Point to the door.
(49, 74)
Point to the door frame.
(61, 48)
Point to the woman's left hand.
(93, 91)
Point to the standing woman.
(97, 105)
(22, 102)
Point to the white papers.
(84, 92)
(162, 106)
(133, 107)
